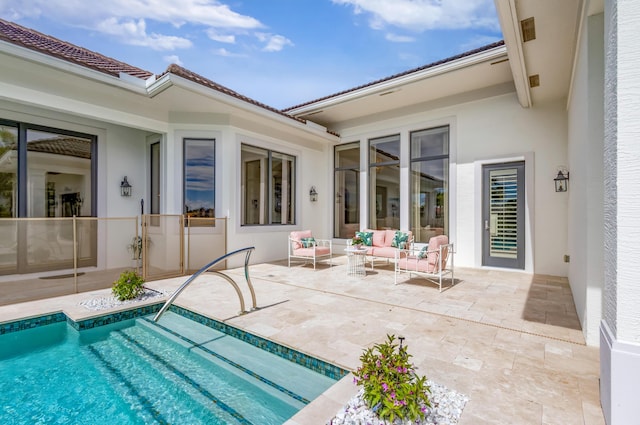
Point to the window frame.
(268, 187)
(199, 222)
(22, 162)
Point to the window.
(268, 187)
(46, 172)
(199, 179)
(8, 170)
(429, 183)
(384, 182)
(347, 186)
(154, 208)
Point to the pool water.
(138, 372)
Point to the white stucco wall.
(586, 212)
(493, 130)
(620, 329)
(312, 163)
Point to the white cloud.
(135, 33)
(273, 43)
(399, 38)
(173, 59)
(479, 41)
(126, 19)
(420, 15)
(215, 36)
(226, 53)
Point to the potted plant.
(392, 389)
(136, 247)
(357, 242)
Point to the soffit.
(390, 95)
(551, 54)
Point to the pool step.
(286, 376)
(149, 359)
(150, 387)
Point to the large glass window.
(347, 186)
(429, 183)
(268, 187)
(384, 182)
(199, 177)
(45, 172)
(8, 170)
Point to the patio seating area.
(510, 341)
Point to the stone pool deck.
(510, 341)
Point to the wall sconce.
(562, 181)
(313, 195)
(125, 187)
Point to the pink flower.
(385, 387)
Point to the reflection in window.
(384, 182)
(8, 169)
(429, 183)
(347, 187)
(199, 178)
(268, 187)
(59, 174)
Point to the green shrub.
(128, 286)
(391, 387)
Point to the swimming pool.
(126, 369)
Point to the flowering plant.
(128, 286)
(391, 387)
(356, 241)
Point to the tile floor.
(510, 341)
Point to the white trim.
(510, 24)
(619, 378)
(394, 83)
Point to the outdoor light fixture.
(313, 195)
(562, 181)
(125, 187)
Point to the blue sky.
(279, 52)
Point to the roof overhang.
(549, 58)
(488, 68)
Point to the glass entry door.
(503, 215)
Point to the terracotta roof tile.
(402, 74)
(34, 40)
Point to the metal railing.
(206, 268)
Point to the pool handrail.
(204, 269)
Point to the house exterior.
(468, 147)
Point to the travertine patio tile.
(485, 337)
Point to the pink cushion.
(310, 252)
(434, 248)
(378, 237)
(416, 265)
(388, 237)
(384, 251)
(297, 237)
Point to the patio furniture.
(356, 260)
(385, 244)
(433, 261)
(303, 246)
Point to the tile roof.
(402, 74)
(34, 40)
(63, 145)
(199, 79)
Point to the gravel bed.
(104, 303)
(446, 408)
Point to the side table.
(356, 259)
